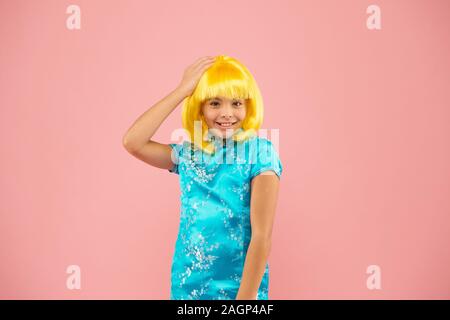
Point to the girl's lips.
(225, 124)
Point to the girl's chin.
(222, 132)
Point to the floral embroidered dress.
(214, 231)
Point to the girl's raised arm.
(137, 140)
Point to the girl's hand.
(193, 73)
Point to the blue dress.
(215, 231)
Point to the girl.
(229, 179)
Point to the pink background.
(364, 140)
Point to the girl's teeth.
(225, 124)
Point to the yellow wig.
(229, 78)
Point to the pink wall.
(364, 129)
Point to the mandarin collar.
(222, 141)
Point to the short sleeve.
(175, 156)
(265, 158)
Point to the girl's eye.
(215, 103)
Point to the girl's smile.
(224, 125)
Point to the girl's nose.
(225, 117)
(227, 112)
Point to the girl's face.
(223, 116)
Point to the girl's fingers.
(206, 59)
(209, 60)
(201, 61)
(205, 63)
